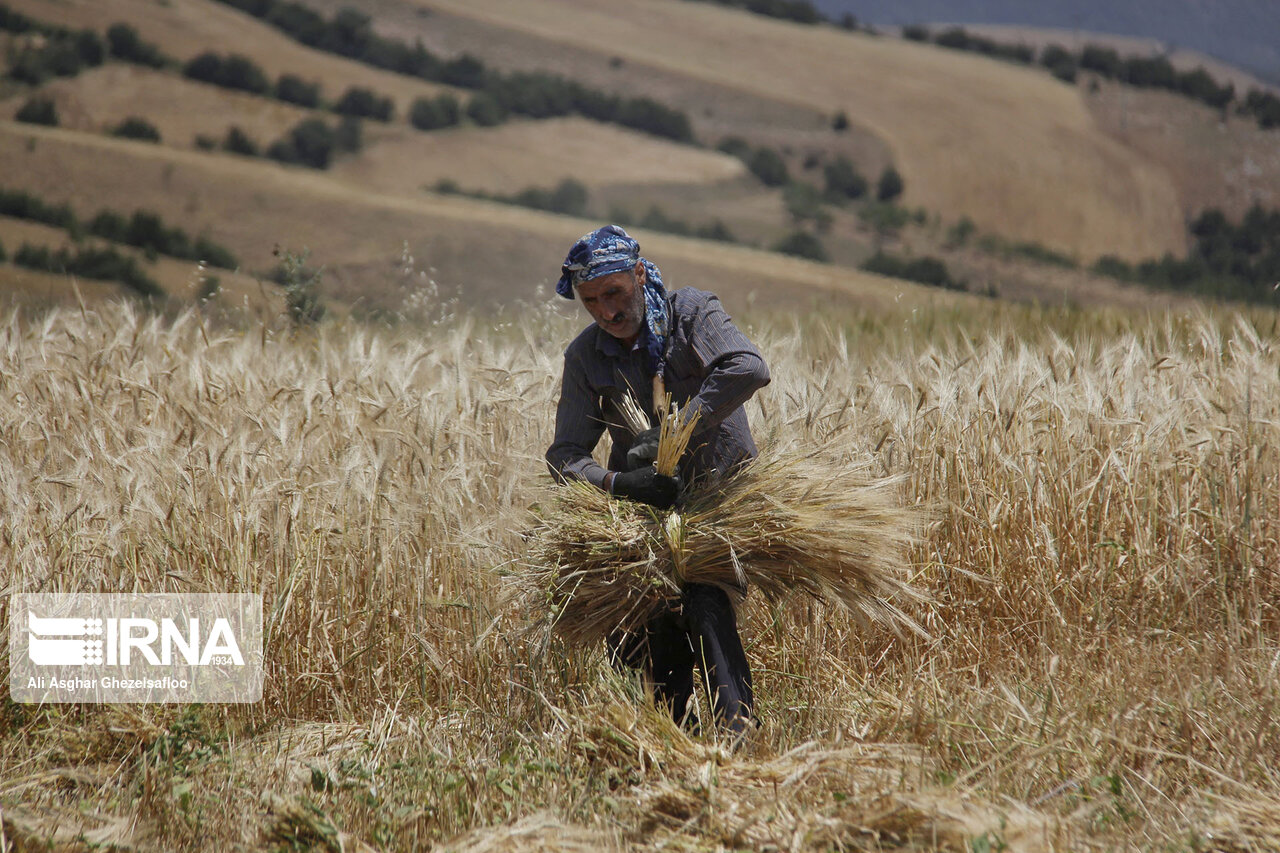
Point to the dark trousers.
(703, 632)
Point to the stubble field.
(1101, 673)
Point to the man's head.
(605, 270)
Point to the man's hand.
(644, 449)
(647, 486)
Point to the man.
(708, 366)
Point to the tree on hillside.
(890, 185)
(38, 110)
(768, 165)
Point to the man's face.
(616, 302)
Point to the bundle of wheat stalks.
(785, 524)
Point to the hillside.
(1241, 32)
(972, 137)
(1033, 168)
(359, 234)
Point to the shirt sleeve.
(734, 367)
(579, 425)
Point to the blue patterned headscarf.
(609, 250)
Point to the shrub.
(365, 103)
(213, 254)
(134, 127)
(239, 142)
(843, 181)
(890, 185)
(735, 146)
(4, 256)
(302, 287)
(1102, 60)
(205, 142)
(38, 109)
(840, 121)
(1060, 62)
(802, 244)
(465, 72)
(768, 165)
(294, 90)
(24, 205)
(804, 203)
(125, 44)
(484, 110)
(915, 32)
(311, 142)
(925, 270)
(104, 264)
(568, 197)
(653, 118)
(109, 225)
(234, 72)
(435, 113)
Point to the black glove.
(647, 486)
(644, 449)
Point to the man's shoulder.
(584, 344)
(691, 300)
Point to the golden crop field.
(1101, 672)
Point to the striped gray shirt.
(709, 362)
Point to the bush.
(109, 225)
(768, 165)
(735, 146)
(365, 103)
(435, 113)
(24, 205)
(925, 270)
(38, 110)
(125, 44)
(239, 142)
(1101, 60)
(234, 72)
(804, 203)
(4, 256)
(655, 119)
(1060, 62)
(311, 142)
(484, 110)
(465, 72)
(915, 32)
(213, 254)
(890, 185)
(294, 90)
(104, 264)
(802, 244)
(568, 197)
(205, 142)
(840, 121)
(136, 128)
(843, 181)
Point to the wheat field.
(1101, 671)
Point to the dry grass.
(522, 154)
(1101, 673)
(971, 136)
(100, 98)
